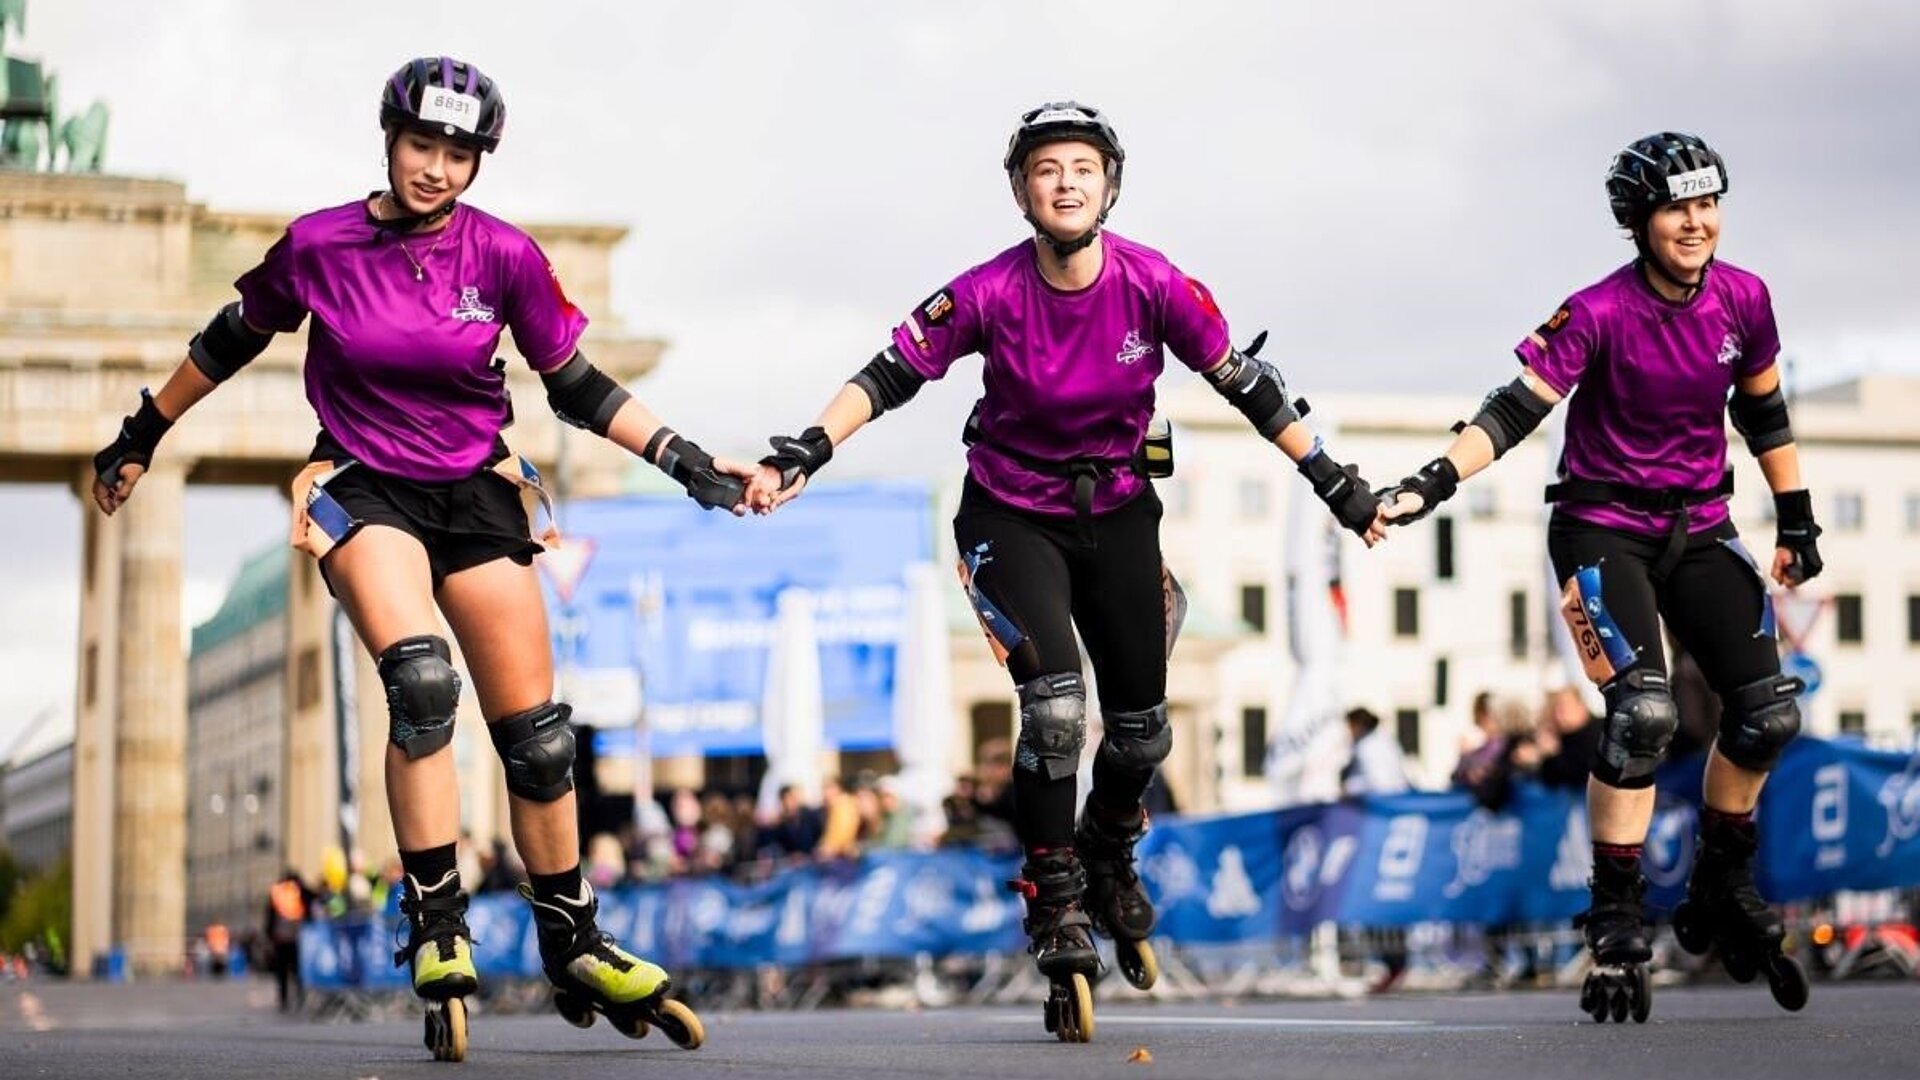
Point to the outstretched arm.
(887, 382)
(1506, 417)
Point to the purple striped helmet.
(446, 97)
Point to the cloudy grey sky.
(1398, 190)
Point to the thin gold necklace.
(419, 264)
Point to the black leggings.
(1713, 600)
(1040, 577)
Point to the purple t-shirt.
(1653, 379)
(1067, 374)
(398, 369)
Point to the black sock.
(565, 884)
(430, 867)
(1616, 862)
(1043, 809)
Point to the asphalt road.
(159, 1031)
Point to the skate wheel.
(1138, 963)
(573, 1010)
(632, 1027)
(1788, 981)
(1622, 1002)
(1080, 1010)
(1641, 988)
(1741, 965)
(680, 1024)
(1593, 1000)
(447, 1029)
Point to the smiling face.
(429, 170)
(1064, 187)
(1684, 235)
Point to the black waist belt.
(1083, 471)
(1633, 497)
(1675, 501)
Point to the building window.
(1253, 743)
(1853, 721)
(1849, 511)
(1443, 548)
(1406, 613)
(306, 678)
(1913, 513)
(1253, 497)
(1483, 501)
(1441, 669)
(1913, 619)
(1253, 606)
(1406, 725)
(1517, 624)
(1849, 621)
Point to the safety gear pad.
(1053, 725)
(226, 345)
(1762, 419)
(1255, 388)
(1341, 488)
(794, 457)
(1758, 720)
(536, 746)
(1795, 530)
(422, 693)
(584, 396)
(1435, 483)
(888, 381)
(692, 468)
(1641, 719)
(1509, 415)
(1136, 740)
(139, 437)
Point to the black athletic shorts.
(462, 524)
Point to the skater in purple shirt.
(1059, 526)
(1647, 358)
(412, 499)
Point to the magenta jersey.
(1652, 381)
(400, 369)
(1067, 374)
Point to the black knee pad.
(1641, 720)
(1758, 720)
(536, 746)
(1053, 725)
(1137, 741)
(422, 691)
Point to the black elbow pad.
(584, 396)
(1254, 387)
(1510, 414)
(1762, 418)
(888, 381)
(226, 345)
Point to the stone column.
(96, 704)
(150, 789)
(310, 776)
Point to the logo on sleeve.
(1202, 297)
(1729, 351)
(1133, 348)
(937, 308)
(1551, 327)
(470, 309)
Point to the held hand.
(728, 467)
(110, 499)
(768, 481)
(1397, 503)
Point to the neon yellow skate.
(439, 948)
(592, 974)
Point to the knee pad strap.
(422, 693)
(1758, 720)
(1053, 725)
(1641, 719)
(536, 746)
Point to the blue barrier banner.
(1833, 816)
(677, 604)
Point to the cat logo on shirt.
(1132, 348)
(1729, 351)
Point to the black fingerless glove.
(139, 437)
(797, 457)
(1435, 483)
(1342, 489)
(692, 468)
(1796, 531)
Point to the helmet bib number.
(451, 108)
